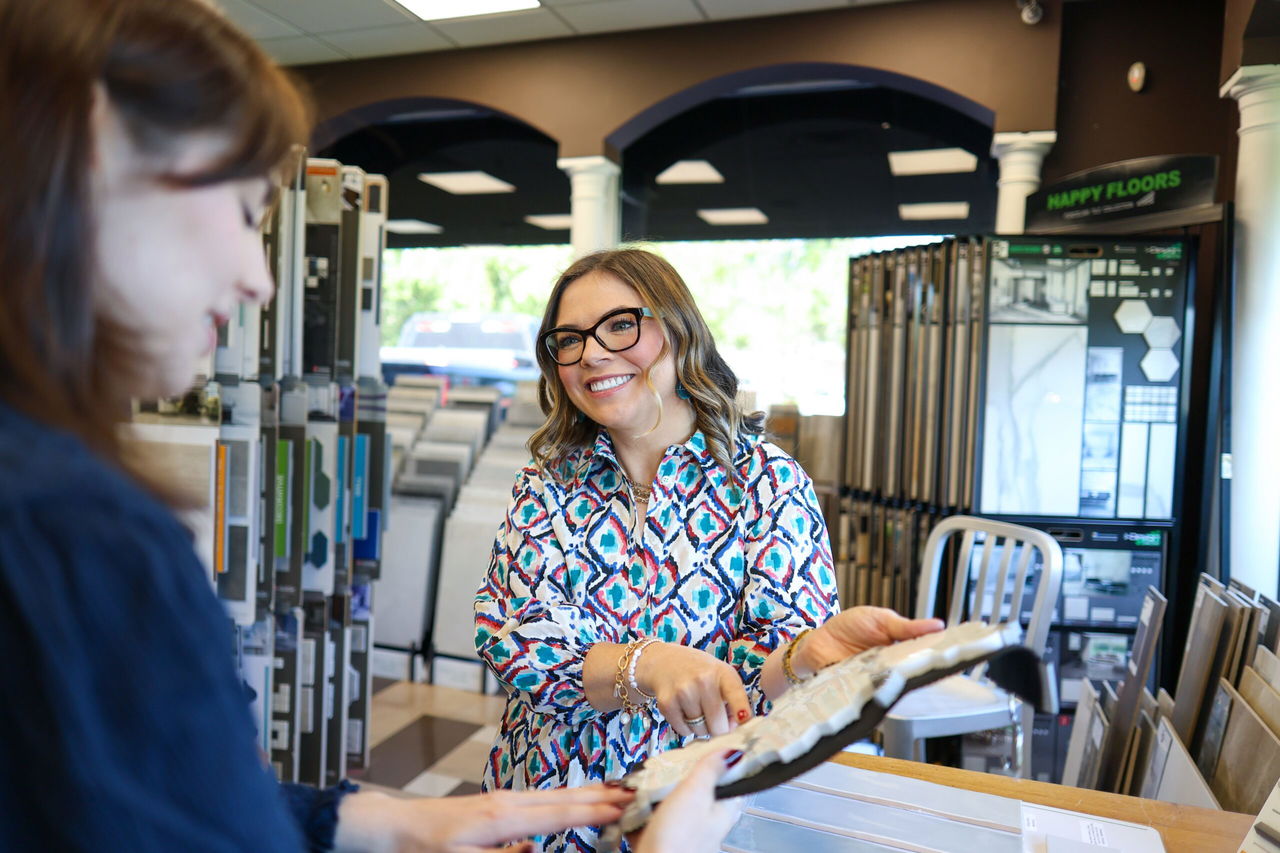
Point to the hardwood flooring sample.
(1262, 697)
(1268, 666)
(1249, 763)
(1197, 661)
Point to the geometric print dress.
(732, 569)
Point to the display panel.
(1105, 574)
(1082, 370)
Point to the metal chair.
(968, 702)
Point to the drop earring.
(681, 391)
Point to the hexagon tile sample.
(1133, 316)
(1159, 365)
(1162, 333)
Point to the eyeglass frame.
(638, 313)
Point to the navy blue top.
(123, 724)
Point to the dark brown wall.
(1101, 121)
(579, 90)
(1235, 20)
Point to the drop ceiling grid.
(298, 32)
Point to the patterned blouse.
(734, 571)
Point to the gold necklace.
(642, 493)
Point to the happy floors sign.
(1122, 190)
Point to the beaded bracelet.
(620, 679)
(786, 659)
(631, 670)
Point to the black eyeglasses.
(616, 331)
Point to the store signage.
(1122, 190)
(1150, 539)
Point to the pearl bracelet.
(631, 669)
(626, 674)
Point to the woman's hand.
(856, 630)
(689, 684)
(691, 819)
(482, 823)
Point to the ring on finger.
(699, 720)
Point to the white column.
(595, 206)
(1255, 351)
(1020, 156)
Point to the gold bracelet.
(620, 678)
(786, 659)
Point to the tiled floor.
(429, 740)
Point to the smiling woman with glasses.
(663, 572)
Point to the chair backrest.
(985, 598)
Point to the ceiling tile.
(326, 16)
(300, 50)
(721, 9)
(509, 27)
(385, 41)
(255, 22)
(615, 15)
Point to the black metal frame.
(1202, 504)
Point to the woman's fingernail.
(733, 757)
(613, 783)
(743, 713)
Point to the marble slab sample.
(1034, 420)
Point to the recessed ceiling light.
(466, 183)
(933, 161)
(935, 210)
(442, 10)
(690, 172)
(412, 226)
(734, 216)
(551, 221)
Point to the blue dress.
(734, 569)
(123, 724)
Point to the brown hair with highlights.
(171, 69)
(699, 367)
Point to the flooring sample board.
(1126, 712)
(1249, 763)
(1213, 583)
(1088, 732)
(1247, 591)
(411, 547)
(1172, 776)
(1211, 743)
(1271, 625)
(1144, 742)
(1197, 661)
(1227, 654)
(1164, 704)
(1249, 639)
(1244, 625)
(1262, 697)
(1268, 666)
(1148, 704)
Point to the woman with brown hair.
(663, 571)
(140, 141)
